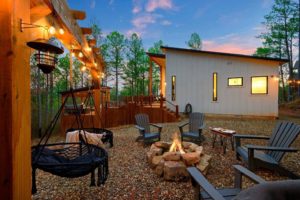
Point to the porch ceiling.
(159, 59)
(58, 14)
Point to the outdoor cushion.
(279, 190)
(151, 135)
(243, 151)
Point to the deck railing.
(144, 101)
(175, 107)
(141, 100)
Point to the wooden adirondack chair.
(143, 125)
(288, 189)
(196, 124)
(269, 156)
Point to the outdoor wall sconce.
(46, 49)
(46, 56)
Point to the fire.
(176, 145)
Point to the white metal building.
(221, 83)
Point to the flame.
(176, 145)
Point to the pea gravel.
(131, 177)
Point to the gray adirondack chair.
(277, 190)
(143, 125)
(269, 156)
(196, 124)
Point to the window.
(259, 85)
(173, 80)
(215, 76)
(235, 81)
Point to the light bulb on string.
(61, 31)
(52, 30)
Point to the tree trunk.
(283, 84)
(287, 47)
(143, 85)
(117, 85)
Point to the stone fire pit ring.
(172, 165)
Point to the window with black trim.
(215, 86)
(235, 81)
(259, 85)
(173, 81)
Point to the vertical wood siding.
(194, 72)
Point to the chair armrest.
(156, 125)
(269, 148)
(238, 137)
(251, 136)
(202, 182)
(140, 128)
(182, 125)
(242, 171)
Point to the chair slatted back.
(196, 120)
(283, 135)
(142, 120)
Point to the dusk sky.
(224, 25)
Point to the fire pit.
(170, 160)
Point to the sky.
(223, 25)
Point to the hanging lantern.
(46, 56)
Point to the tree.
(195, 41)
(113, 52)
(156, 47)
(134, 69)
(263, 52)
(96, 32)
(282, 26)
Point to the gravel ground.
(131, 178)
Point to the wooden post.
(161, 101)
(163, 81)
(15, 117)
(150, 79)
(160, 78)
(71, 70)
(177, 111)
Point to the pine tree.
(195, 41)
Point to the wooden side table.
(224, 135)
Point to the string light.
(89, 49)
(73, 54)
(80, 55)
(61, 31)
(95, 64)
(83, 68)
(52, 30)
